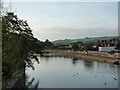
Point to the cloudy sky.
(69, 20)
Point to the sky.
(69, 20)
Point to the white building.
(107, 49)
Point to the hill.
(84, 40)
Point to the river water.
(61, 72)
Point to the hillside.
(87, 39)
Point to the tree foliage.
(48, 45)
(88, 46)
(75, 47)
(18, 44)
(118, 46)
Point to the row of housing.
(100, 45)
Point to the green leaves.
(18, 44)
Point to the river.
(61, 72)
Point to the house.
(108, 45)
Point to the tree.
(47, 44)
(118, 46)
(18, 44)
(88, 46)
(75, 46)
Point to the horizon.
(69, 20)
(84, 38)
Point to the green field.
(85, 40)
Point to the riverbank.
(90, 55)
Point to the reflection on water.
(74, 60)
(31, 85)
(60, 72)
(20, 81)
(23, 83)
(88, 65)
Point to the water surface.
(60, 72)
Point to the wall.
(94, 53)
(106, 49)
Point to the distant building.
(107, 49)
(108, 45)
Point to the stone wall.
(104, 54)
(95, 53)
